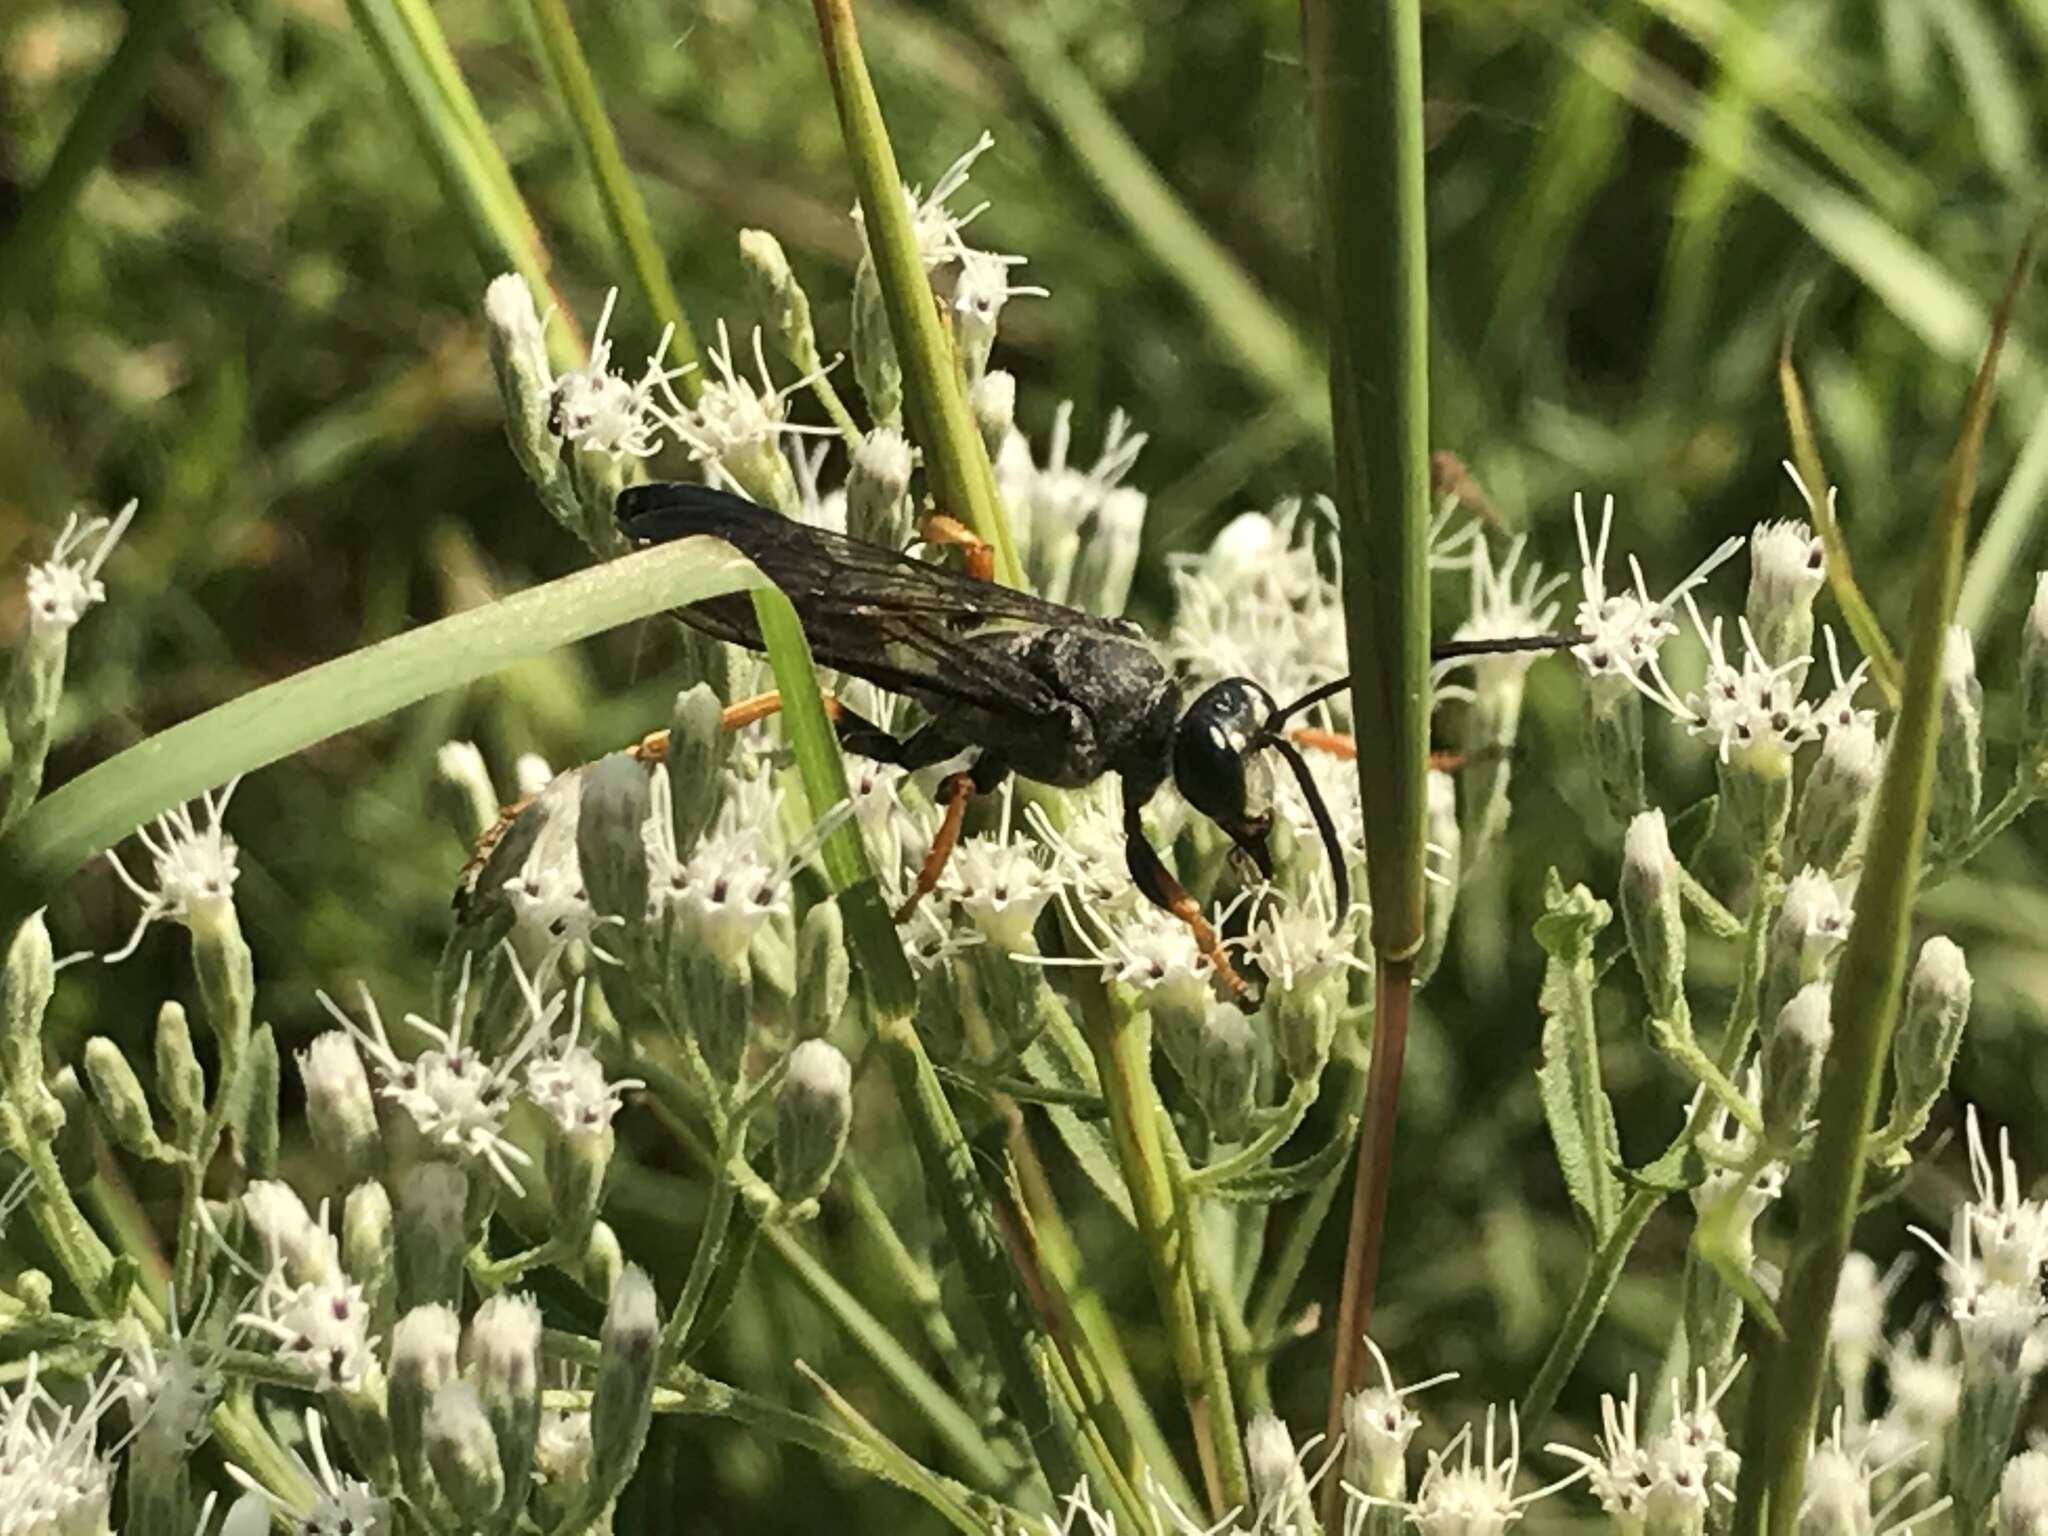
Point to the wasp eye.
(1210, 746)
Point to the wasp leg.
(980, 556)
(1159, 887)
(954, 791)
(653, 747)
(1338, 744)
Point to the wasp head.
(1218, 765)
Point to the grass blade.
(1365, 83)
(103, 805)
(1866, 993)
(962, 482)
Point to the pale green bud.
(779, 298)
(1929, 1034)
(469, 797)
(719, 1010)
(123, 1106)
(1959, 750)
(623, 1405)
(1756, 794)
(369, 1248)
(824, 970)
(227, 984)
(1793, 1057)
(1787, 569)
(1806, 938)
(259, 1091)
(1614, 740)
(2023, 1495)
(878, 507)
(875, 365)
(1222, 1070)
(340, 1111)
(1838, 791)
(70, 1128)
(431, 1236)
(504, 1360)
(602, 1261)
(1445, 854)
(34, 1288)
(462, 1452)
(611, 849)
(1651, 914)
(26, 984)
(1279, 1488)
(812, 1114)
(519, 355)
(698, 751)
(2034, 672)
(994, 401)
(424, 1348)
(179, 1078)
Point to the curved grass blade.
(103, 805)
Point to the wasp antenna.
(1308, 700)
(1328, 828)
(1458, 650)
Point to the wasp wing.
(904, 624)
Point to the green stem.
(1679, 1044)
(1866, 993)
(1721, 923)
(113, 95)
(624, 210)
(1255, 1152)
(704, 1263)
(935, 393)
(2026, 790)
(1217, 1364)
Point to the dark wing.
(902, 623)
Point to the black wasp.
(1047, 692)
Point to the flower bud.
(227, 982)
(1756, 794)
(519, 355)
(875, 365)
(431, 1237)
(1793, 1057)
(1787, 569)
(504, 1359)
(34, 1288)
(824, 976)
(1222, 1071)
(623, 1404)
(1931, 1030)
(994, 401)
(339, 1109)
(1959, 750)
(2034, 672)
(288, 1234)
(469, 797)
(179, 1079)
(2023, 1495)
(462, 1453)
(1805, 941)
(26, 983)
(1377, 1428)
(1838, 791)
(69, 1126)
(602, 1261)
(1108, 557)
(698, 750)
(257, 1118)
(1650, 912)
(1278, 1487)
(369, 1248)
(812, 1113)
(878, 506)
(423, 1359)
(611, 849)
(123, 1106)
(1614, 738)
(779, 298)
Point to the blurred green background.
(261, 315)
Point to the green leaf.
(1575, 1105)
(103, 805)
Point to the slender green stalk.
(114, 93)
(969, 1517)
(624, 210)
(2027, 790)
(1866, 993)
(410, 48)
(2009, 529)
(1365, 85)
(103, 805)
(935, 393)
(703, 1263)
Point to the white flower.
(172, 1389)
(1727, 1192)
(66, 586)
(731, 883)
(53, 1479)
(1262, 604)
(2023, 1495)
(531, 773)
(1298, 947)
(195, 871)
(1925, 1389)
(1787, 564)
(1506, 605)
(1461, 1497)
(1148, 949)
(1838, 1501)
(342, 1506)
(1078, 1516)
(1754, 706)
(597, 409)
(456, 1098)
(294, 1243)
(734, 428)
(323, 1325)
(1626, 630)
(980, 290)
(1001, 883)
(568, 1083)
(2009, 1233)
(1378, 1424)
(1814, 914)
(550, 904)
(938, 228)
(1856, 1321)
(1838, 711)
